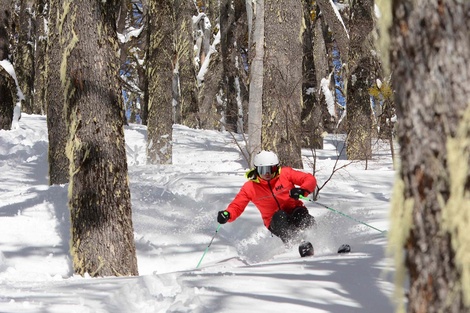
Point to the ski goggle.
(271, 169)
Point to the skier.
(273, 190)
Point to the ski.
(306, 249)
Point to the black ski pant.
(287, 226)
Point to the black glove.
(297, 192)
(223, 217)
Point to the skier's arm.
(305, 181)
(238, 205)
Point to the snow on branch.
(338, 15)
(20, 96)
(329, 97)
(130, 32)
(205, 64)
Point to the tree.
(39, 85)
(256, 80)
(185, 89)
(314, 56)
(7, 84)
(431, 78)
(209, 78)
(360, 72)
(282, 82)
(159, 93)
(132, 48)
(23, 52)
(99, 199)
(354, 43)
(234, 42)
(54, 95)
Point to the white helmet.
(265, 158)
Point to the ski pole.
(205, 251)
(343, 214)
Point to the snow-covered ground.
(174, 213)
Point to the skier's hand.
(223, 217)
(297, 192)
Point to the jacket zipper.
(274, 196)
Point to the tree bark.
(23, 54)
(99, 198)
(233, 33)
(312, 124)
(39, 89)
(211, 110)
(431, 78)
(227, 45)
(256, 82)
(359, 79)
(7, 103)
(210, 107)
(282, 83)
(160, 83)
(339, 30)
(187, 72)
(54, 97)
(7, 84)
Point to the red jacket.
(271, 196)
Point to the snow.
(205, 65)
(174, 214)
(336, 7)
(329, 97)
(130, 32)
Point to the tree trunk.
(99, 197)
(322, 70)
(256, 82)
(337, 27)
(23, 54)
(40, 85)
(7, 103)
(282, 83)
(186, 80)
(312, 124)
(431, 78)
(359, 113)
(232, 16)
(210, 108)
(360, 70)
(7, 84)
(54, 98)
(160, 83)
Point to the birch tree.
(256, 81)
